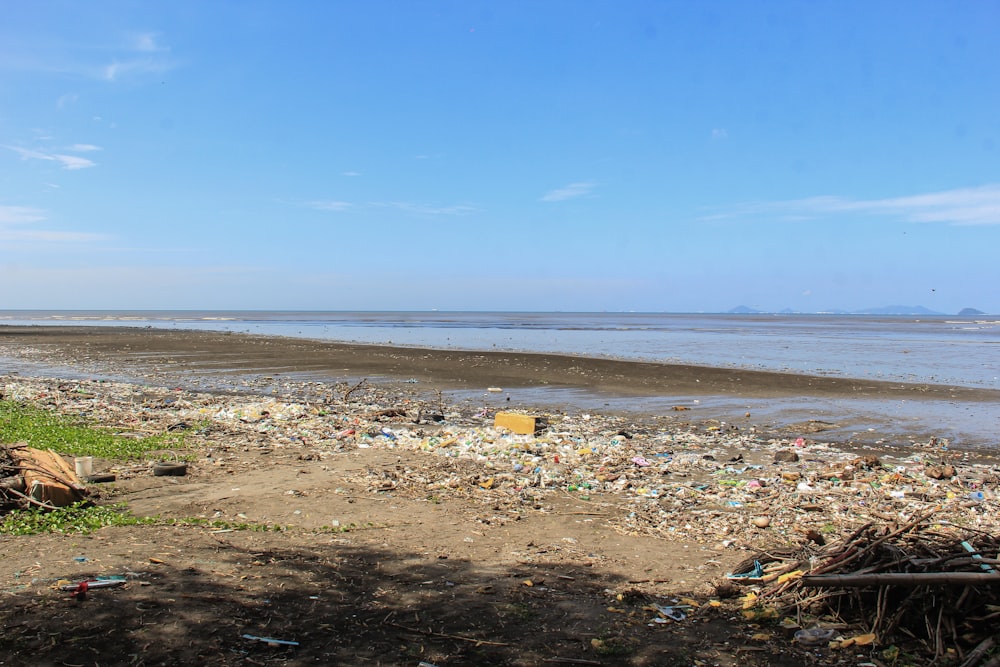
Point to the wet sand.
(545, 378)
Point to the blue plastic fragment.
(756, 572)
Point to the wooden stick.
(900, 579)
(31, 500)
(350, 391)
(978, 653)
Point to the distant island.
(883, 310)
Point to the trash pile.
(921, 586)
(892, 549)
(707, 482)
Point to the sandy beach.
(340, 503)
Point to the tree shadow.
(341, 604)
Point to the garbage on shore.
(707, 482)
(921, 586)
(801, 509)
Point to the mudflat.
(214, 352)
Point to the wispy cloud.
(84, 148)
(422, 209)
(962, 206)
(571, 191)
(720, 133)
(121, 69)
(16, 225)
(48, 236)
(129, 56)
(15, 215)
(71, 162)
(142, 53)
(330, 205)
(408, 207)
(146, 42)
(350, 173)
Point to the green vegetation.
(78, 518)
(85, 518)
(74, 436)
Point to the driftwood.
(927, 587)
(347, 394)
(901, 579)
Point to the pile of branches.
(929, 586)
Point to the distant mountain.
(883, 310)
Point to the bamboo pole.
(901, 579)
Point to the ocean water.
(925, 349)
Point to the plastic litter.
(815, 636)
(756, 572)
(673, 612)
(270, 641)
(97, 582)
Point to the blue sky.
(557, 155)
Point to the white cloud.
(13, 215)
(71, 162)
(135, 55)
(409, 207)
(67, 99)
(720, 133)
(120, 69)
(962, 206)
(427, 210)
(571, 191)
(48, 236)
(146, 42)
(330, 205)
(14, 218)
(966, 206)
(350, 173)
(84, 148)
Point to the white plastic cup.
(84, 466)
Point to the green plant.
(44, 429)
(78, 518)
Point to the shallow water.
(938, 350)
(925, 349)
